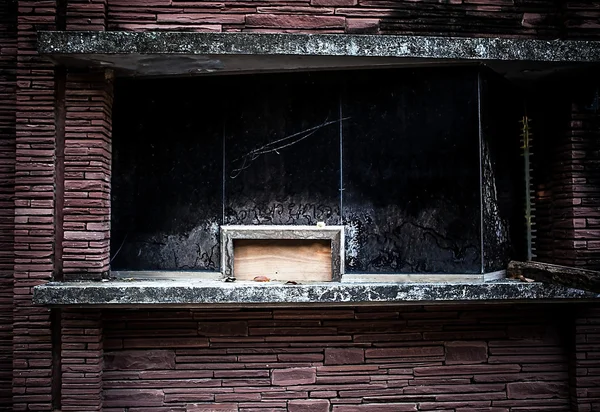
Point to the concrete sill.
(187, 292)
(185, 53)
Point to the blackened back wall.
(391, 154)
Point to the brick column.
(568, 206)
(8, 56)
(86, 14)
(585, 361)
(82, 359)
(34, 209)
(584, 179)
(87, 166)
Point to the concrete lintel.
(179, 293)
(461, 48)
(179, 53)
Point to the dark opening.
(394, 155)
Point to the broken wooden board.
(562, 275)
(298, 260)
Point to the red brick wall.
(581, 19)
(81, 361)
(347, 359)
(87, 165)
(542, 18)
(470, 17)
(86, 14)
(568, 196)
(8, 52)
(585, 373)
(452, 358)
(34, 209)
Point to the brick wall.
(527, 18)
(581, 19)
(470, 17)
(34, 209)
(86, 14)
(585, 374)
(452, 358)
(86, 227)
(568, 153)
(81, 361)
(8, 51)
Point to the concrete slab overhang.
(189, 53)
(189, 292)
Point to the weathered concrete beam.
(163, 53)
(556, 274)
(461, 48)
(193, 293)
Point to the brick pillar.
(87, 166)
(82, 358)
(585, 361)
(584, 181)
(8, 55)
(34, 209)
(568, 199)
(86, 14)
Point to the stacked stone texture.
(539, 18)
(585, 374)
(86, 14)
(501, 358)
(81, 361)
(582, 19)
(87, 175)
(34, 209)
(581, 190)
(569, 216)
(452, 358)
(8, 52)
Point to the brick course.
(86, 14)
(87, 162)
(506, 360)
(543, 18)
(585, 374)
(8, 53)
(82, 361)
(568, 218)
(34, 209)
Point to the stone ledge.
(178, 53)
(194, 293)
(461, 48)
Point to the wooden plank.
(298, 260)
(562, 275)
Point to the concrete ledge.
(483, 48)
(179, 53)
(180, 292)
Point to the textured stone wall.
(529, 18)
(8, 52)
(86, 14)
(567, 153)
(87, 165)
(585, 374)
(581, 19)
(449, 358)
(452, 358)
(81, 361)
(34, 209)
